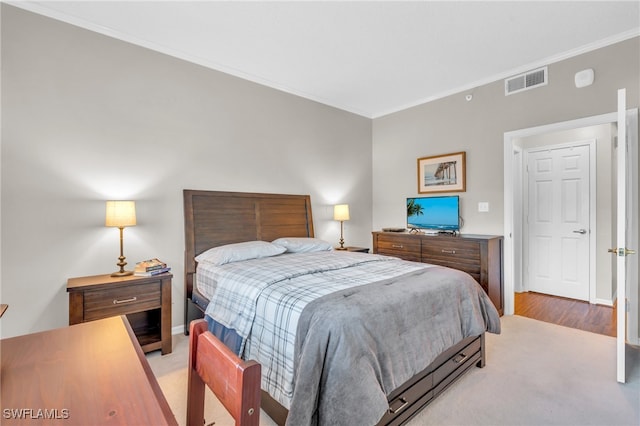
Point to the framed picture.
(442, 173)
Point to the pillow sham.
(239, 251)
(302, 244)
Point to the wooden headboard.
(215, 218)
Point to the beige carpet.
(536, 374)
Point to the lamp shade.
(120, 213)
(341, 212)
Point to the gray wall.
(87, 118)
(453, 124)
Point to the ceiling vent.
(526, 81)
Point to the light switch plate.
(483, 206)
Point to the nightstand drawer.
(121, 300)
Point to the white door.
(559, 221)
(626, 287)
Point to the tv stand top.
(422, 233)
(432, 232)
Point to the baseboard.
(178, 329)
(604, 302)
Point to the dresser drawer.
(113, 301)
(461, 255)
(399, 245)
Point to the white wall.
(87, 118)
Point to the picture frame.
(442, 173)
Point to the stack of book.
(148, 268)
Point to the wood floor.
(567, 312)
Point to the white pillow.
(303, 245)
(239, 251)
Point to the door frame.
(512, 202)
(591, 144)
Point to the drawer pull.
(403, 403)
(459, 358)
(448, 251)
(397, 246)
(118, 302)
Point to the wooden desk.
(93, 373)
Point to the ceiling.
(369, 58)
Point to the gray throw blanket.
(356, 346)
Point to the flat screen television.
(434, 213)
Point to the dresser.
(478, 255)
(146, 301)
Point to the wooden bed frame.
(235, 382)
(215, 218)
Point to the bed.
(388, 380)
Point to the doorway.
(513, 207)
(558, 247)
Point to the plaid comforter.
(261, 299)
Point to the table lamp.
(121, 214)
(341, 213)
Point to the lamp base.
(341, 248)
(121, 263)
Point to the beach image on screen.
(433, 213)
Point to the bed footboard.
(236, 383)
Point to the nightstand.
(146, 301)
(358, 249)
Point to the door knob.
(622, 251)
(580, 231)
